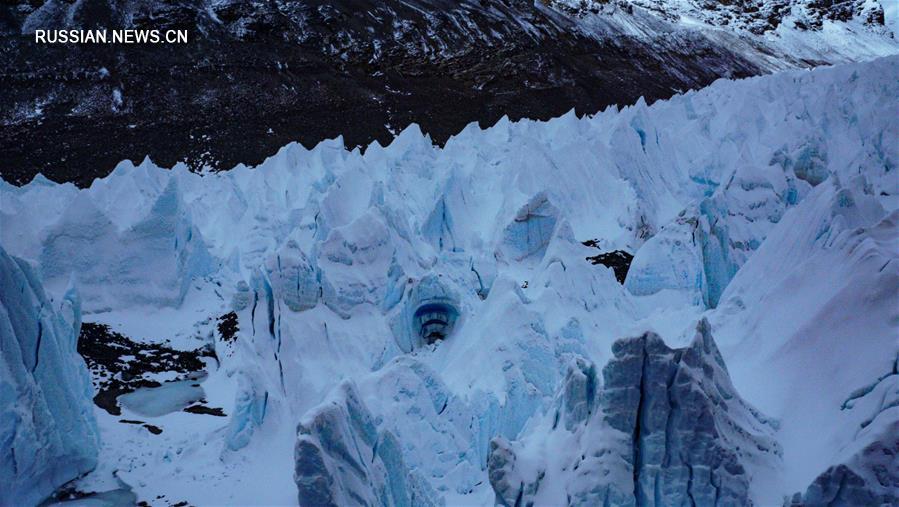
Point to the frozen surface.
(167, 398)
(766, 206)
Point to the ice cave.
(434, 310)
(435, 321)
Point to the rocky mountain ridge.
(255, 76)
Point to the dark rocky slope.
(255, 76)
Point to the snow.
(766, 206)
(772, 35)
(840, 302)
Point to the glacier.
(343, 459)
(661, 427)
(48, 434)
(421, 325)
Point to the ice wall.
(343, 458)
(665, 427)
(48, 434)
(151, 260)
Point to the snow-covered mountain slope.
(48, 435)
(367, 69)
(379, 318)
(812, 316)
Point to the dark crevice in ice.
(637, 443)
(37, 343)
